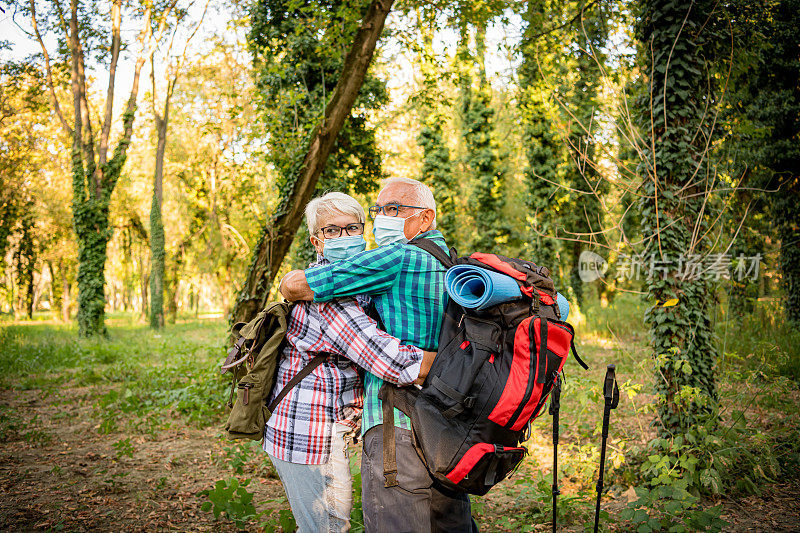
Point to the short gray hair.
(331, 204)
(422, 195)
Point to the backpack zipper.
(245, 392)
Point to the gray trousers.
(418, 504)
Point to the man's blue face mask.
(343, 247)
(388, 230)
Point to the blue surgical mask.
(388, 230)
(343, 247)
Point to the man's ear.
(428, 216)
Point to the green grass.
(762, 341)
(142, 373)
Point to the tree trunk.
(53, 295)
(676, 207)
(65, 295)
(786, 210)
(126, 269)
(157, 252)
(172, 284)
(277, 237)
(93, 232)
(144, 277)
(157, 244)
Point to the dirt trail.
(62, 474)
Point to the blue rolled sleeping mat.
(563, 306)
(478, 288)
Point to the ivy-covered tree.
(25, 256)
(299, 51)
(161, 113)
(583, 210)
(769, 104)
(543, 149)
(437, 167)
(22, 103)
(487, 194)
(96, 167)
(675, 45)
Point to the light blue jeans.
(320, 496)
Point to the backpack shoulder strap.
(305, 371)
(434, 249)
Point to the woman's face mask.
(388, 230)
(343, 247)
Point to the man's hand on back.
(427, 362)
(294, 287)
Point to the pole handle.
(610, 387)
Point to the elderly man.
(407, 286)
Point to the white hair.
(421, 194)
(330, 204)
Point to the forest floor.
(126, 434)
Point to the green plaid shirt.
(407, 287)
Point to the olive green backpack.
(253, 362)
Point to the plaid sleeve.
(352, 334)
(371, 272)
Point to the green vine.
(156, 264)
(671, 118)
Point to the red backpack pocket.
(541, 347)
(483, 465)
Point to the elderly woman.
(306, 436)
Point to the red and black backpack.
(491, 377)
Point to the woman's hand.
(427, 361)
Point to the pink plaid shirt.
(300, 429)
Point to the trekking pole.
(555, 406)
(611, 394)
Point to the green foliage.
(769, 107)
(746, 349)
(236, 456)
(25, 256)
(433, 106)
(282, 518)
(232, 499)
(22, 98)
(437, 172)
(716, 458)
(298, 53)
(670, 508)
(582, 209)
(357, 512)
(124, 448)
(298, 50)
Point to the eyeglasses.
(332, 232)
(390, 210)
